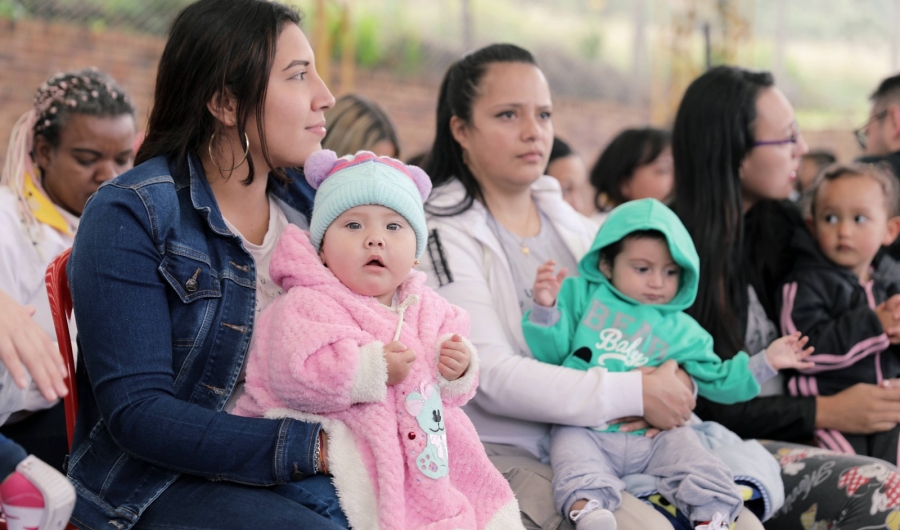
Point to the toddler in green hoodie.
(623, 312)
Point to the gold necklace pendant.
(525, 250)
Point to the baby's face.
(644, 270)
(851, 221)
(371, 250)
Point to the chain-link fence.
(148, 16)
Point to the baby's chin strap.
(401, 309)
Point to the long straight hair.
(223, 47)
(459, 90)
(713, 133)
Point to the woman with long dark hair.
(493, 219)
(168, 273)
(736, 148)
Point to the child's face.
(851, 222)
(371, 250)
(644, 270)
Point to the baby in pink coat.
(359, 344)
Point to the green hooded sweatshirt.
(600, 326)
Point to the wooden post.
(322, 42)
(348, 51)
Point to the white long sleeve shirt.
(23, 266)
(518, 397)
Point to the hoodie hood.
(647, 214)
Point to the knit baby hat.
(363, 178)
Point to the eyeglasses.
(862, 134)
(792, 139)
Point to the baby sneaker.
(718, 522)
(593, 517)
(36, 497)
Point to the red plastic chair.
(61, 308)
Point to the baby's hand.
(454, 359)
(788, 352)
(547, 284)
(398, 358)
(888, 313)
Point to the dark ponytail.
(458, 92)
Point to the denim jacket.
(165, 301)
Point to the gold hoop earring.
(232, 168)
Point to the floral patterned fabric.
(831, 491)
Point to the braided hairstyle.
(84, 92)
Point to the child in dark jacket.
(843, 293)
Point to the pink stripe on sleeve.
(789, 294)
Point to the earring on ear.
(235, 166)
(415, 263)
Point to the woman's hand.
(23, 342)
(861, 409)
(668, 403)
(635, 423)
(323, 452)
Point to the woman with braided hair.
(78, 134)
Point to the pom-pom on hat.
(364, 178)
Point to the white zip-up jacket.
(518, 397)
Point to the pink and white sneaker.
(718, 522)
(36, 497)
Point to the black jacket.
(768, 228)
(830, 305)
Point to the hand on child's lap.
(454, 359)
(547, 283)
(398, 358)
(789, 352)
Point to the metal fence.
(147, 16)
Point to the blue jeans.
(318, 494)
(195, 503)
(11, 454)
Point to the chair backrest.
(61, 308)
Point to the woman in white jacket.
(493, 218)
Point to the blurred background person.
(811, 164)
(567, 166)
(79, 134)
(357, 124)
(880, 135)
(637, 164)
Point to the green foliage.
(151, 16)
(10, 9)
(368, 46)
(590, 45)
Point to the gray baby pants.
(588, 465)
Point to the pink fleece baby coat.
(318, 356)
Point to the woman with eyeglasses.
(737, 148)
